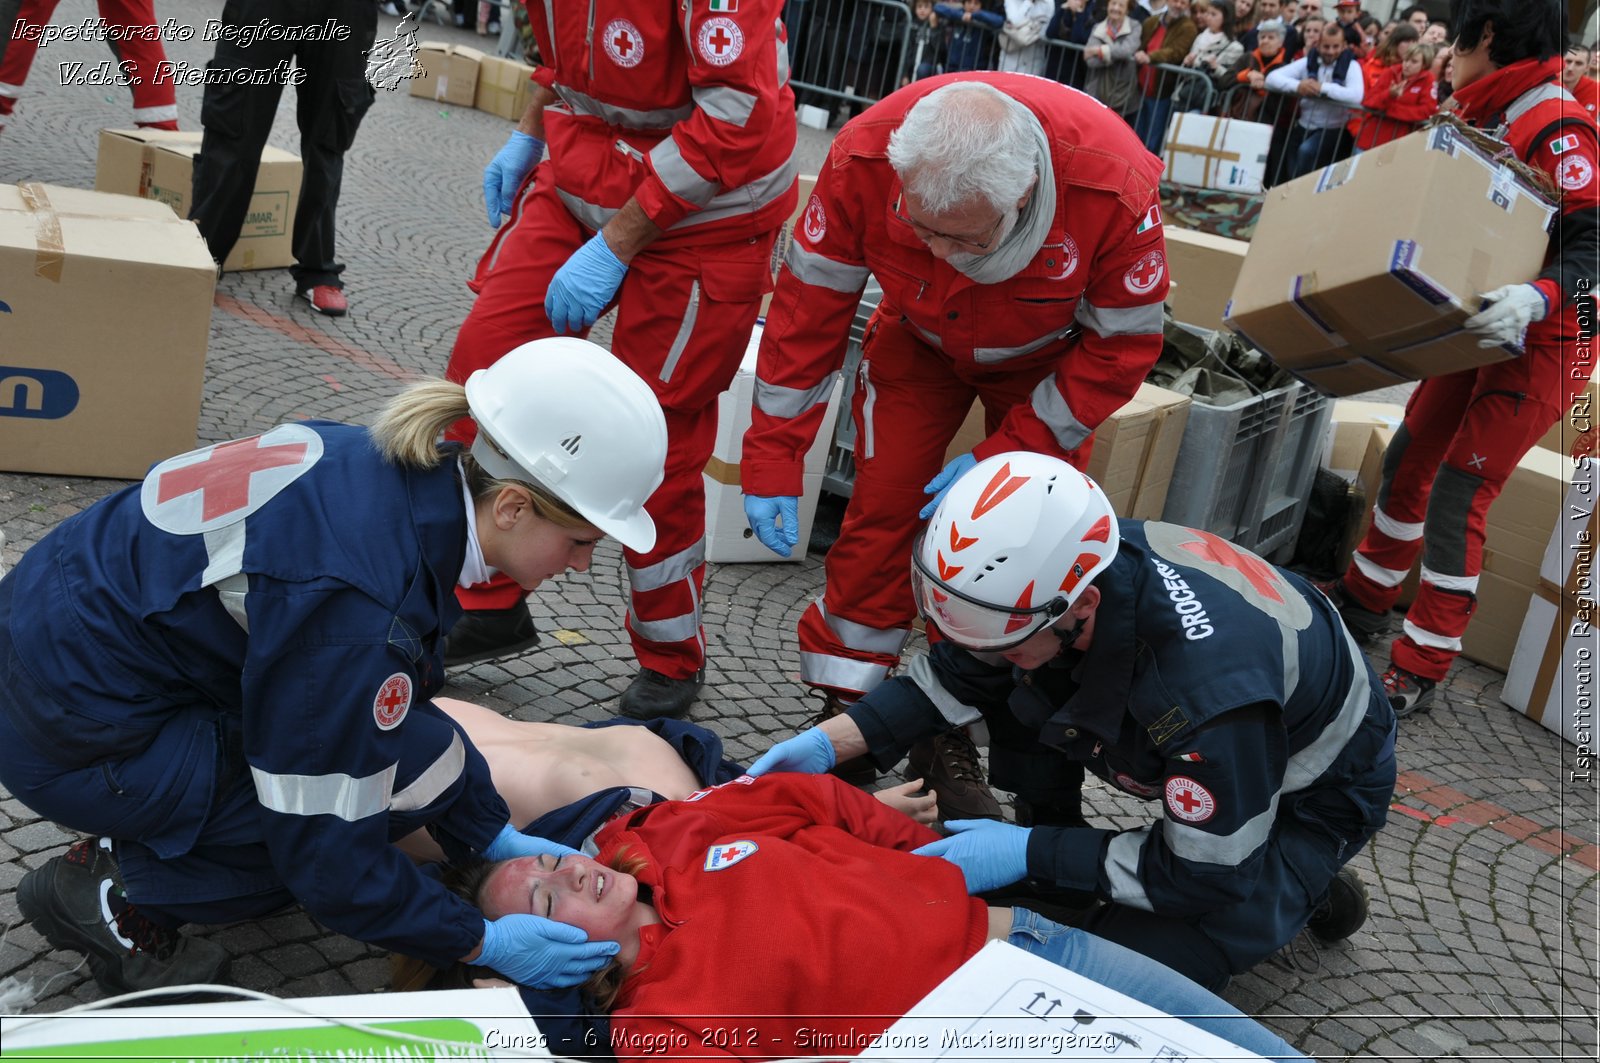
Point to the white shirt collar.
(474, 569)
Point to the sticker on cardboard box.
(1338, 174)
(1403, 268)
(1503, 188)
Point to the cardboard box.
(728, 535)
(1134, 450)
(1221, 153)
(1574, 435)
(1553, 664)
(780, 247)
(503, 87)
(159, 164)
(1351, 308)
(1204, 269)
(110, 391)
(449, 73)
(1350, 432)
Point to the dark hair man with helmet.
(1174, 665)
(1465, 432)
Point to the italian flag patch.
(1561, 144)
(1151, 219)
(724, 7)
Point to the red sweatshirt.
(791, 905)
(1396, 115)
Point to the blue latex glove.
(583, 286)
(504, 174)
(942, 483)
(511, 843)
(534, 951)
(989, 853)
(761, 512)
(809, 752)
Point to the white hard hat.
(566, 415)
(1010, 548)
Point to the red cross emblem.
(623, 42)
(1576, 173)
(726, 855)
(392, 701)
(1189, 801)
(720, 41)
(1145, 274)
(1262, 577)
(218, 485)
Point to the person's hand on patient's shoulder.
(904, 799)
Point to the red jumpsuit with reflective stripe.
(1052, 351)
(137, 47)
(1464, 433)
(688, 112)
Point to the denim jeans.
(1151, 123)
(1144, 980)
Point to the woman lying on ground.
(773, 902)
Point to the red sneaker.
(326, 299)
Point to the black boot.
(1342, 910)
(490, 634)
(652, 695)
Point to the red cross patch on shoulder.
(392, 702)
(1145, 274)
(720, 857)
(720, 40)
(220, 485)
(1189, 801)
(1575, 173)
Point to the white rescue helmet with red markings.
(1010, 548)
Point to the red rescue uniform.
(687, 111)
(1053, 351)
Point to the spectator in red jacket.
(1574, 69)
(1399, 95)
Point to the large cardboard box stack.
(103, 327)
(449, 73)
(728, 534)
(1350, 431)
(1360, 306)
(159, 164)
(503, 87)
(1204, 269)
(1575, 434)
(1134, 450)
(1222, 153)
(1551, 678)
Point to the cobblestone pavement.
(1482, 941)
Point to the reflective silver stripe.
(233, 592)
(1291, 660)
(1120, 321)
(1307, 765)
(930, 337)
(864, 638)
(588, 214)
(1396, 529)
(1227, 850)
(1122, 869)
(1533, 97)
(1383, 577)
(1432, 640)
(992, 355)
(737, 203)
(869, 444)
(550, 28)
(224, 553)
(10, 91)
(685, 330)
(783, 56)
(580, 103)
(168, 113)
(726, 104)
(680, 628)
(349, 798)
(680, 178)
(776, 401)
(820, 271)
(1463, 584)
(435, 779)
(822, 669)
(1053, 410)
(956, 712)
(680, 565)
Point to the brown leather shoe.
(951, 767)
(857, 771)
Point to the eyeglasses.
(981, 244)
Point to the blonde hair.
(407, 974)
(407, 431)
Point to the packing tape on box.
(723, 472)
(1210, 152)
(49, 253)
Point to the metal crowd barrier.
(850, 51)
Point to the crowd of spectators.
(1331, 85)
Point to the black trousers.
(329, 105)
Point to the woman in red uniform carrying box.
(1464, 432)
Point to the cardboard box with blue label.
(159, 164)
(1360, 276)
(105, 311)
